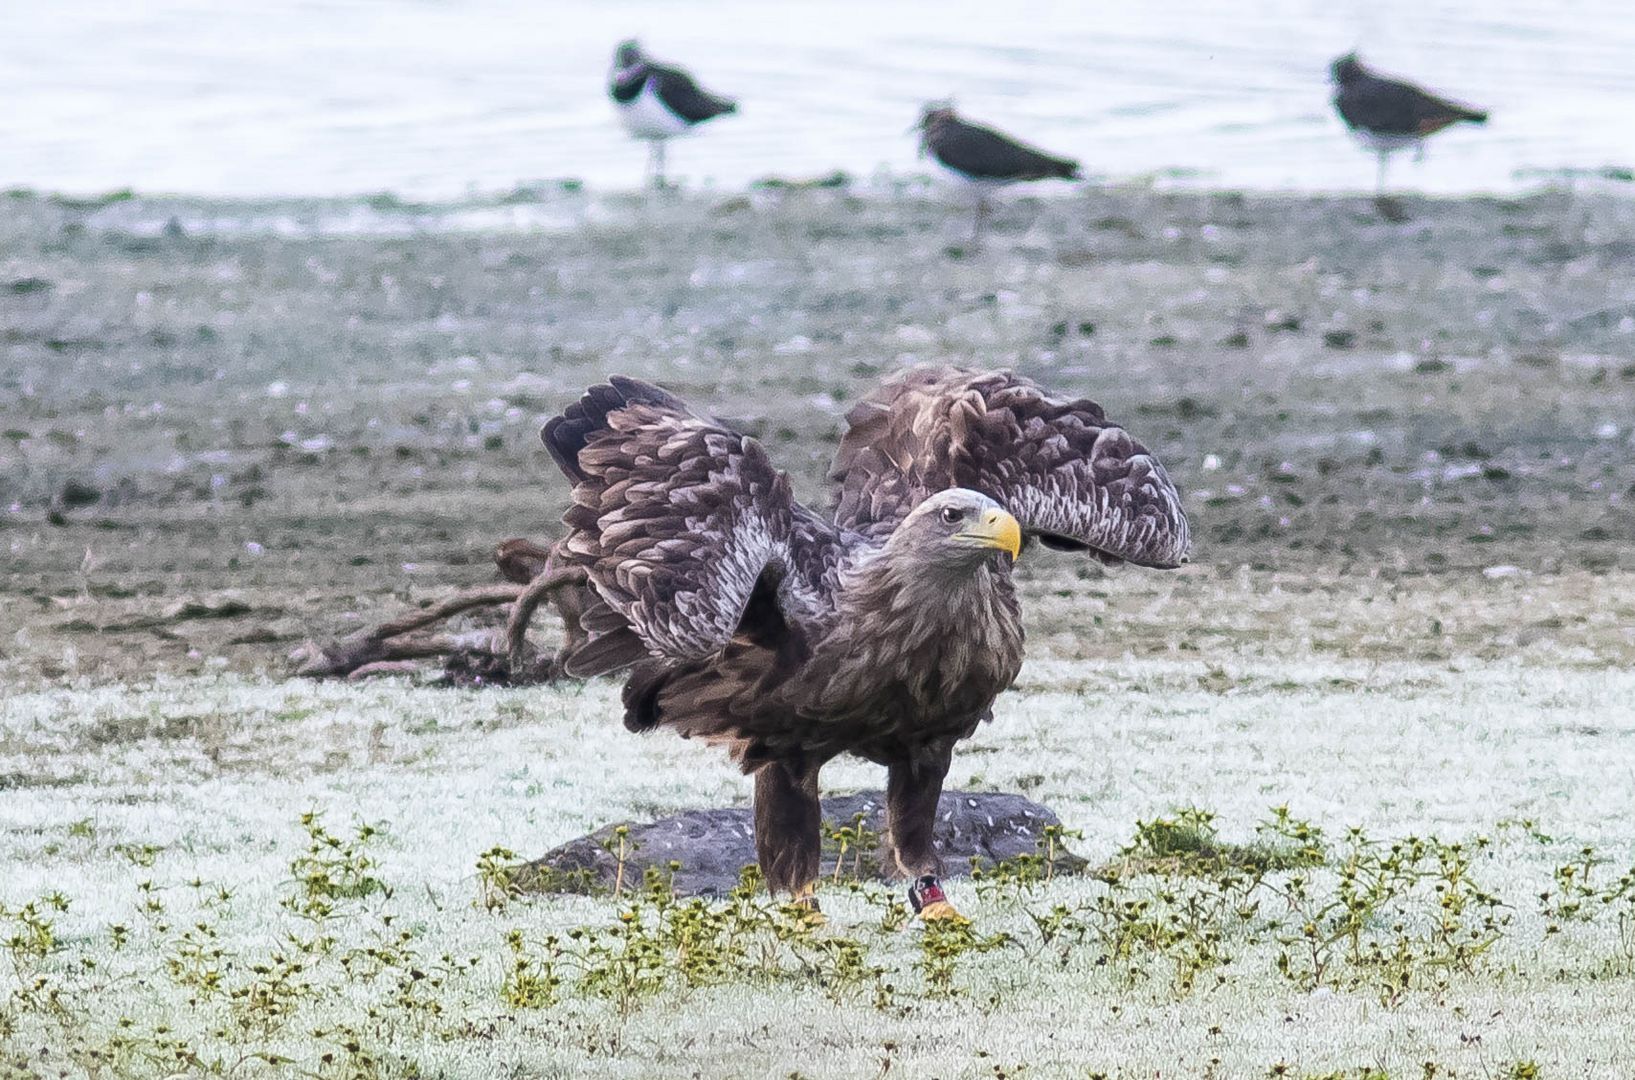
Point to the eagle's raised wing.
(676, 520)
(1069, 475)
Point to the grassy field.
(1405, 450)
(141, 805)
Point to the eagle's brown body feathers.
(889, 671)
(886, 630)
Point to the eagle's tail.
(706, 700)
(641, 695)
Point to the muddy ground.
(229, 425)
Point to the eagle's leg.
(788, 830)
(912, 790)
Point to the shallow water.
(433, 98)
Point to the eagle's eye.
(952, 515)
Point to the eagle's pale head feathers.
(958, 528)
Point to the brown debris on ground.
(501, 656)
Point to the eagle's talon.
(806, 910)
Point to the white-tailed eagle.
(883, 629)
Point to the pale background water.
(430, 98)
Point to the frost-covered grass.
(110, 788)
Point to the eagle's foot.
(929, 902)
(804, 905)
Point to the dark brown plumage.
(985, 158)
(885, 631)
(1390, 114)
(980, 153)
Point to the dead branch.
(548, 583)
(341, 658)
(473, 657)
(521, 561)
(383, 667)
(486, 596)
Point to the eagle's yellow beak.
(996, 529)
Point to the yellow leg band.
(941, 909)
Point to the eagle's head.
(958, 530)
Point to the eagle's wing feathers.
(675, 519)
(1069, 475)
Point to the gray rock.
(713, 846)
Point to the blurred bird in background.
(1387, 115)
(983, 158)
(657, 102)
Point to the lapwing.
(1387, 115)
(658, 102)
(983, 158)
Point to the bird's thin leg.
(788, 830)
(1388, 207)
(981, 216)
(912, 790)
(656, 160)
